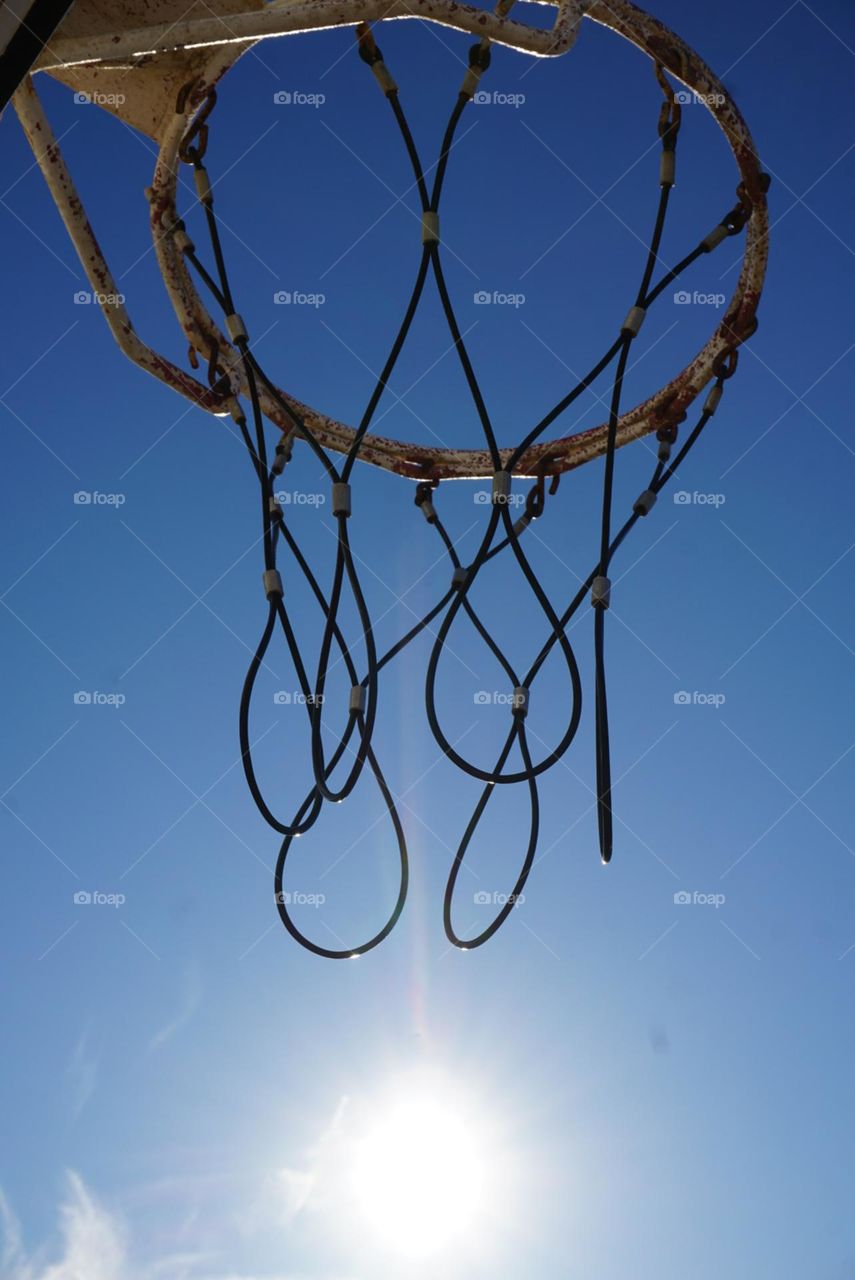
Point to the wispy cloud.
(93, 1243)
(12, 1245)
(307, 1188)
(191, 994)
(81, 1074)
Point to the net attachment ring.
(187, 152)
(670, 113)
(367, 47)
(725, 363)
(219, 380)
(535, 499)
(424, 499)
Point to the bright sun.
(420, 1173)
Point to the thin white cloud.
(81, 1075)
(191, 994)
(307, 1189)
(93, 1244)
(12, 1243)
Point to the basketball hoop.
(175, 64)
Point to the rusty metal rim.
(665, 407)
(314, 15)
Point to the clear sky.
(661, 1088)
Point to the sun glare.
(420, 1173)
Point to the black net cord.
(456, 599)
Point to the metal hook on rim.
(199, 128)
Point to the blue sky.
(665, 1086)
